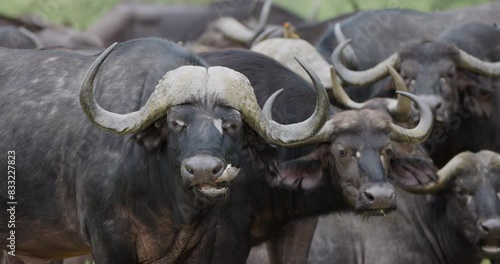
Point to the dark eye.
(388, 151)
(177, 124)
(230, 127)
(461, 192)
(343, 153)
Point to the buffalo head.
(356, 151)
(196, 123)
(443, 75)
(470, 184)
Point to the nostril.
(392, 196)
(369, 196)
(439, 105)
(189, 169)
(484, 227)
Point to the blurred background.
(82, 13)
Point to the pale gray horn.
(348, 54)
(401, 108)
(491, 69)
(422, 131)
(365, 77)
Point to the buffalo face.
(440, 72)
(429, 70)
(192, 125)
(475, 201)
(357, 158)
(204, 145)
(470, 184)
(360, 160)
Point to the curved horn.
(267, 33)
(489, 159)
(491, 69)
(421, 131)
(160, 100)
(268, 105)
(401, 107)
(348, 54)
(235, 30)
(361, 77)
(457, 164)
(340, 95)
(264, 17)
(32, 37)
(291, 134)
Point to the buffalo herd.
(239, 132)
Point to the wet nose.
(201, 168)
(377, 196)
(490, 226)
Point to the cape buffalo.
(344, 168)
(376, 34)
(149, 191)
(456, 221)
(454, 75)
(178, 23)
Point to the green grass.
(82, 13)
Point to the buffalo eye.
(343, 153)
(388, 151)
(177, 125)
(230, 127)
(460, 192)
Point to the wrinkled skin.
(455, 225)
(310, 181)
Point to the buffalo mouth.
(214, 190)
(490, 247)
(375, 212)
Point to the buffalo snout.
(376, 197)
(490, 227)
(489, 242)
(208, 175)
(201, 169)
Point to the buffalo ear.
(412, 168)
(303, 173)
(477, 93)
(152, 137)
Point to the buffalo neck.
(442, 236)
(163, 207)
(273, 207)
